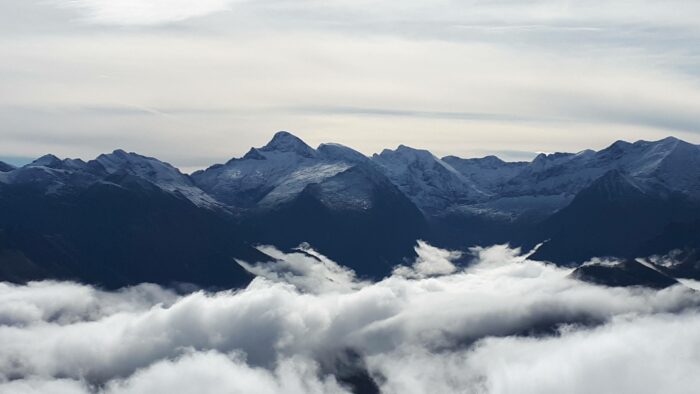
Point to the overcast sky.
(198, 82)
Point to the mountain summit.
(57, 216)
(431, 183)
(284, 141)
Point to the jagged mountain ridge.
(430, 182)
(276, 173)
(368, 211)
(332, 197)
(281, 169)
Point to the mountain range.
(124, 218)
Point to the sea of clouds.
(501, 324)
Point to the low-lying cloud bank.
(503, 324)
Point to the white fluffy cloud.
(631, 354)
(306, 269)
(503, 324)
(205, 372)
(431, 261)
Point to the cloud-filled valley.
(494, 322)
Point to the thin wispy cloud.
(144, 12)
(453, 77)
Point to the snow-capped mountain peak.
(133, 162)
(51, 161)
(157, 172)
(51, 174)
(280, 170)
(676, 166)
(276, 173)
(340, 152)
(431, 183)
(614, 184)
(491, 160)
(48, 160)
(284, 141)
(544, 160)
(488, 173)
(408, 155)
(667, 163)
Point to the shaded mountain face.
(357, 216)
(276, 173)
(488, 173)
(117, 232)
(332, 197)
(654, 163)
(676, 250)
(4, 167)
(614, 216)
(51, 175)
(163, 175)
(623, 274)
(549, 183)
(123, 218)
(431, 183)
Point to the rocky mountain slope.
(123, 217)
